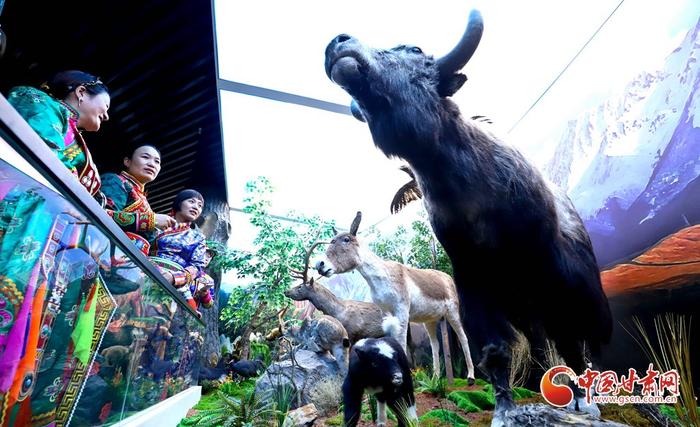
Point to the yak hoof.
(499, 419)
(470, 381)
(499, 414)
(579, 404)
(503, 405)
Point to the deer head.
(302, 291)
(343, 253)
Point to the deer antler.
(303, 274)
(297, 274)
(307, 259)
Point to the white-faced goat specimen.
(410, 294)
(520, 253)
(379, 367)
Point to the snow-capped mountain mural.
(631, 165)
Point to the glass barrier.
(86, 337)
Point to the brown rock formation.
(672, 262)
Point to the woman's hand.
(164, 221)
(169, 277)
(204, 289)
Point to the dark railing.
(27, 143)
(90, 331)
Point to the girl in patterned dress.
(185, 251)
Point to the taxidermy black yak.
(520, 253)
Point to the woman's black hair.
(184, 195)
(130, 154)
(63, 83)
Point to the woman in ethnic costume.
(128, 206)
(126, 199)
(31, 236)
(70, 101)
(182, 254)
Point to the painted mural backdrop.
(631, 165)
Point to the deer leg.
(403, 332)
(431, 327)
(411, 346)
(453, 319)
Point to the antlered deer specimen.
(521, 255)
(360, 319)
(410, 294)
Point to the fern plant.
(282, 398)
(405, 413)
(256, 411)
(228, 411)
(435, 385)
(237, 389)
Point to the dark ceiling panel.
(158, 59)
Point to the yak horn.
(357, 111)
(460, 55)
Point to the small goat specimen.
(520, 253)
(380, 367)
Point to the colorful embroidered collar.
(73, 112)
(133, 180)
